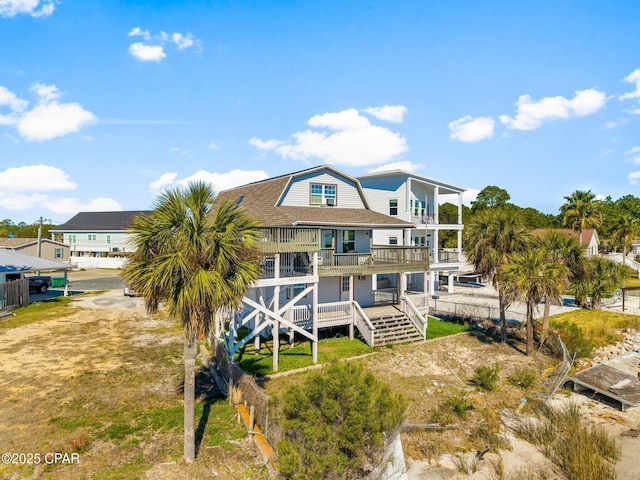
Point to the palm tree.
(625, 229)
(530, 276)
(564, 249)
(492, 235)
(603, 276)
(581, 211)
(196, 261)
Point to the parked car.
(130, 292)
(39, 283)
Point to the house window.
(72, 239)
(348, 241)
(393, 240)
(295, 289)
(393, 206)
(416, 207)
(327, 240)
(58, 253)
(108, 239)
(345, 284)
(92, 237)
(321, 194)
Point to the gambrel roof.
(99, 221)
(263, 201)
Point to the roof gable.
(588, 234)
(263, 201)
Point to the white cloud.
(405, 165)
(634, 178)
(531, 114)
(75, 205)
(469, 129)
(388, 113)
(48, 119)
(469, 196)
(219, 181)
(265, 145)
(183, 41)
(26, 187)
(138, 32)
(354, 141)
(34, 178)
(54, 119)
(35, 8)
(164, 180)
(152, 48)
(633, 77)
(215, 145)
(147, 53)
(15, 105)
(634, 152)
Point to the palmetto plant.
(195, 260)
(581, 211)
(491, 236)
(530, 276)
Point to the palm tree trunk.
(503, 317)
(529, 328)
(190, 348)
(545, 320)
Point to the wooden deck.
(616, 379)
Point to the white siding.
(347, 195)
(381, 237)
(117, 241)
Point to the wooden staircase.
(392, 329)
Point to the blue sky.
(104, 103)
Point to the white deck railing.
(363, 324)
(419, 320)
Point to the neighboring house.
(320, 263)
(590, 240)
(91, 235)
(635, 247)
(14, 288)
(416, 199)
(49, 249)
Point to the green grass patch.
(597, 327)
(299, 356)
(440, 328)
(58, 307)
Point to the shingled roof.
(99, 221)
(260, 201)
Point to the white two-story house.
(416, 199)
(92, 236)
(320, 261)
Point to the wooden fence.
(14, 294)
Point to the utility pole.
(40, 238)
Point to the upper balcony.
(442, 219)
(285, 239)
(330, 264)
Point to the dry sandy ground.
(28, 352)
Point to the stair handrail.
(363, 324)
(419, 321)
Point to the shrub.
(335, 424)
(574, 338)
(456, 404)
(486, 378)
(581, 452)
(523, 378)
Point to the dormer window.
(321, 194)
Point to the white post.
(314, 313)
(276, 307)
(450, 283)
(351, 297)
